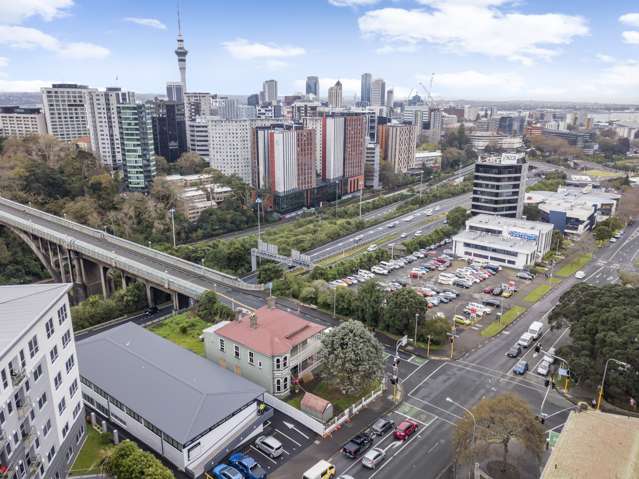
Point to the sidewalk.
(328, 447)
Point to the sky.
(581, 50)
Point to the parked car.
(580, 275)
(525, 275)
(357, 445)
(507, 293)
(405, 429)
(151, 310)
(462, 320)
(224, 471)
(495, 303)
(372, 248)
(373, 457)
(270, 446)
(488, 290)
(526, 340)
(382, 426)
(521, 367)
(247, 466)
(544, 368)
(550, 355)
(497, 291)
(514, 351)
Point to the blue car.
(521, 367)
(224, 471)
(247, 465)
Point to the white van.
(322, 470)
(535, 329)
(525, 340)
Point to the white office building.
(102, 118)
(41, 413)
(502, 250)
(20, 122)
(187, 409)
(198, 137)
(269, 91)
(499, 185)
(378, 92)
(65, 110)
(333, 149)
(335, 95)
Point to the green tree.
(532, 212)
(602, 232)
(352, 358)
(369, 304)
(190, 164)
(268, 272)
(457, 217)
(500, 421)
(210, 309)
(161, 165)
(437, 329)
(128, 461)
(401, 308)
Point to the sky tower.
(181, 52)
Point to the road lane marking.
(413, 419)
(519, 382)
(560, 411)
(287, 437)
(426, 379)
(267, 457)
(358, 460)
(436, 407)
(414, 371)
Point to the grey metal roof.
(176, 390)
(22, 305)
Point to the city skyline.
(402, 42)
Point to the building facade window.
(70, 363)
(33, 346)
(251, 357)
(66, 338)
(236, 351)
(221, 345)
(62, 405)
(63, 314)
(37, 372)
(54, 354)
(57, 380)
(49, 327)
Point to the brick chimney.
(253, 321)
(270, 302)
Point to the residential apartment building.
(175, 91)
(332, 150)
(335, 95)
(169, 129)
(399, 143)
(499, 185)
(269, 347)
(183, 407)
(192, 202)
(20, 122)
(65, 110)
(41, 412)
(103, 124)
(355, 138)
(481, 139)
(197, 104)
(198, 137)
(269, 91)
(372, 166)
(378, 92)
(138, 157)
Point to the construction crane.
(429, 91)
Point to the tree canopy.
(210, 309)
(128, 461)
(401, 308)
(352, 358)
(457, 217)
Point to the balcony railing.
(23, 406)
(34, 467)
(28, 435)
(17, 376)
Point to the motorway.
(481, 373)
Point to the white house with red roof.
(269, 347)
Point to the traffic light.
(537, 348)
(393, 380)
(396, 361)
(546, 382)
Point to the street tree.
(437, 329)
(401, 308)
(352, 358)
(190, 164)
(500, 421)
(369, 304)
(457, 217)
(268, 272)
(128, 461)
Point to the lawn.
(95, 448)
(601, 173)
(340, 401)
(538, 293)
(574, 266)
(554, 280)
(497, 326)
(184, 330)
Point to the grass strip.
(497, 326)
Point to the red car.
(405, 429)
(488, 290)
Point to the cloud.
(276, 64)
(4, 61)
(622, 74)
(352, 3)
(245, 50)
(631, 19)
(470, 79)
(476, 26)
(402, 48)
(605, 58)
(15, 11)
(29, 38)
(23, 85)
(631, 37)
(146, 22)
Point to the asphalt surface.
(139, 319)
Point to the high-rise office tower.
(355, 136)
(181, 54)
(390, 98)
(312, 86)
(102, 120)
(42, 416)
(175, 91)
(138, 157)
(65, 110)
(378, 92)
(269, 91)
(335, 95)
(253, 100)
(169, 129)
(436, 125)
(499, 185)
(366, 89)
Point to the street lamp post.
(603, 380)
(472, 416)
(416, 321)
(400, 342)
(172, 211)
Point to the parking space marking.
(287, 437)
(558, 425)
(267, 457)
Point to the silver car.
(373, 457)
(543, 368)
(270, 446)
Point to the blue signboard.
(522, 235)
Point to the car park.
(270, 446)
(497, 291)
(521, 367)
(357, 445)
(224, 471)
(514, 351)
(247, 466)
(405, 429)
(544, 368)
(507, 293)
(379, 270)
(373, 457)
(382, 426)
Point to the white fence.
(317, 426)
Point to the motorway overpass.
(90, 258)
